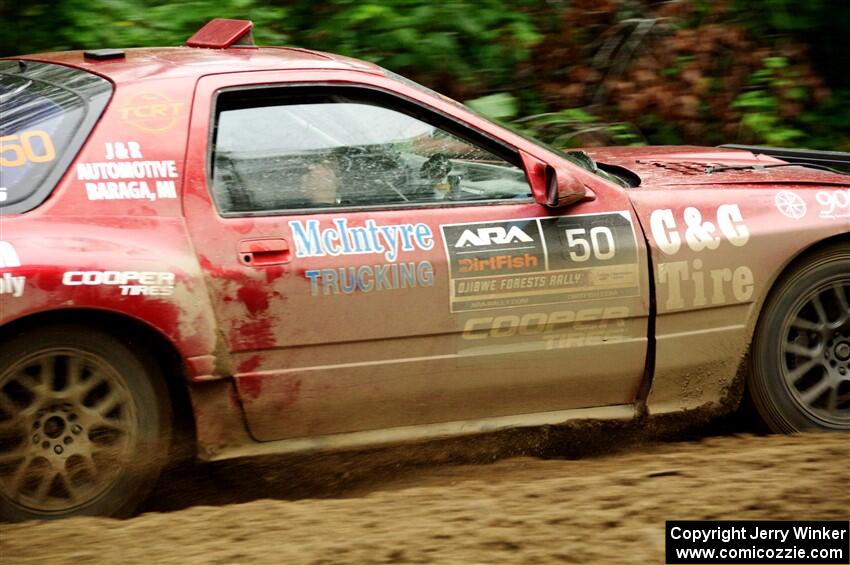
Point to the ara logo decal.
(494, 248)
(493, 236)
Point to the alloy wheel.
(816, 352)
(67, 428)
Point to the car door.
(376, 262)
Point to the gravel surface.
(598, 508)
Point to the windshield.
(583, 160)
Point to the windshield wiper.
(717, 168)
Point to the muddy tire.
(85, 424)
(799, 375)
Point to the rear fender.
(140, 267)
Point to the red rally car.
(277, 250)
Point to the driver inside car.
(321, 183)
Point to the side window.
(309, 151)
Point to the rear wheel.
(800, 363)
(84, 425)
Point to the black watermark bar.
(694, 542)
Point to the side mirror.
(553, 187)
(562, 188)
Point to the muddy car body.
(163, 270)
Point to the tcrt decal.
(515, 263)
(9, 283)
(150, 112)
(125, 174)
(686, 283)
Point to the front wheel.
(800, 363)
(84, 425)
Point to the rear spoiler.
(835, 159)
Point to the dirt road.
(601, 508)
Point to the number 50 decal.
(17, 150)
(581, 246)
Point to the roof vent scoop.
(104, 54)
(221, 34)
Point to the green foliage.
(489, 51)
(88, 24)
(771, 16)
(761, 105)
(478, 42)
(576, 127)
(499, 106)
(475, 41)
(571, 127)
(828, 127)
(822, 24)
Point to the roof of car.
(171, 62)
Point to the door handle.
(262, 252)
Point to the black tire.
(799, 378)
(85, 424)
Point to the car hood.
(684, 165)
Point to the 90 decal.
(834, 203)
